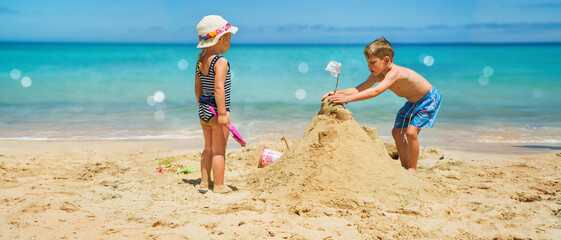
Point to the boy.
(420, 110)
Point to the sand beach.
(337, 181)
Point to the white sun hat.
(210, 28)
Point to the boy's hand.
(223, 120)
(327, 94)
(339, 98)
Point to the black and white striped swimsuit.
(207, 98)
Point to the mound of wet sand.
(338, 162)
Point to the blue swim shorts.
(422, 113)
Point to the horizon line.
(281, 44)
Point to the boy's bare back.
(406, 83)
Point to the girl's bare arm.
(221, 70)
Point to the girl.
(212, 88)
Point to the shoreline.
(194, 145)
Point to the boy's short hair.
(379, 48)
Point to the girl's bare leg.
(206, 157)
(219, 139)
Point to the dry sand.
(337, 181)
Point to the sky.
(283, 22)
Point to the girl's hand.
(327, 94)
(223, 120)
(339, 98)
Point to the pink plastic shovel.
(235, 134)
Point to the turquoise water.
(491, 93)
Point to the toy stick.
(286, 142)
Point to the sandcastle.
(336, 160)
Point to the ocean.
(495, 93)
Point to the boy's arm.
(364, 85)
(368, 83)
(221, 70)
(385, 83)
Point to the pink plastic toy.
(235, 134)
(268, 156)
(161, 169)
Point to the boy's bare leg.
(401, 146)
(412, 148)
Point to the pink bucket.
(268, 156)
